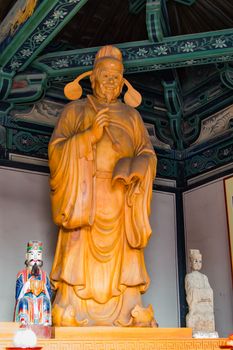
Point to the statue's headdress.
(108, 52)
(111, 54)
(194, 252)
(34, 245)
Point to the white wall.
(161, 259)
(206, 230)
(25, 215)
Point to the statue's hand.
(101, 120)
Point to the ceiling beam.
(154, 19)
(186, 2)
(31, 37)
(135, 6)
(142, 56)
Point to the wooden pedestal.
(108, 338)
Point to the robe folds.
(100, 198)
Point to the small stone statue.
(199, 296)
(33, 291)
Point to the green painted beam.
(142, 56)
(5, 83)
(153, 20)
(47, 20)
(186, 2)
(135, 6)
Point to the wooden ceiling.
(202, 16)
(101, 22)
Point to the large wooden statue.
(102, 168)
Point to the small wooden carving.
(141, 317)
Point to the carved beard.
(35, 270)
(36, 267)
(110, 96)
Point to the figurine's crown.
(194, 252)
(34, 245)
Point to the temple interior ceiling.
(177, 53)
(97, 23)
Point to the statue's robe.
(99, 270)
(199, 296)
(32, 305)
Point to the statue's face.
(107, 82)
(196, 262)
(34, 257)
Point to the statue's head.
(34, 256)
(107, 76)
(195, 258)
(106, 79)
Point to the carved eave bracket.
(215, 125)
(174, 112)
(226, 75)
(5, 84)
(28, 87)
(183, 132)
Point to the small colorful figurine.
(33, 291)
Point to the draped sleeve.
(71, 162)
(19, 285)
(138, 229)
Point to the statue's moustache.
(38, 262)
